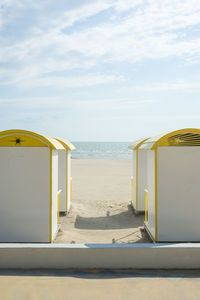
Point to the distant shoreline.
(103, 158)
(101, 150)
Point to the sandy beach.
(101, 211)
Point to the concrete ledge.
(110, 256)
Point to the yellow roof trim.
(68, 145)
(161, 139)
(55, 142)
(135, 145)
(25, 138)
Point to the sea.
(112, 150)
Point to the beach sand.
(112, 285)
(100, 209)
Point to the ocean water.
(112, 150)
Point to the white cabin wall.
(134, 178)
(178, 193)
(62, 179)
(54, 192)
(69, 176)
(24, 194)
(142, 178)
(151, 190)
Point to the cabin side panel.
(68, 178)
(62, 179)
(24, 194)
(142, 178)
(178, 193)
(54, 193)
(151, 191)
(134, 178)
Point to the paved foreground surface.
(112, 285)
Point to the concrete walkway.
(112, 285)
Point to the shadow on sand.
(130, 238)
(122, 220)
(104, 273)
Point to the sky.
(109, 70)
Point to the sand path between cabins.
(100, 210)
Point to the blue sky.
(109, 70)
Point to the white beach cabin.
(138, 180)
(64, 175)
(173, 194)
(28, 187)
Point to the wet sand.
(101, 210)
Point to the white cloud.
(176, 85)
(8, 10)
(70, 82)
(168, 118)
(126, 5)
(34, 70)
(34, 100)
(155, 24)
(83, 104)
(70, 17)
(139, 29)
(111, 104)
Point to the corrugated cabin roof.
(68, 145)
(136, 144)
(181, 137)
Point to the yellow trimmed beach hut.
(172, 191)
(138, 179)
(64, 175)
(28, 187)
